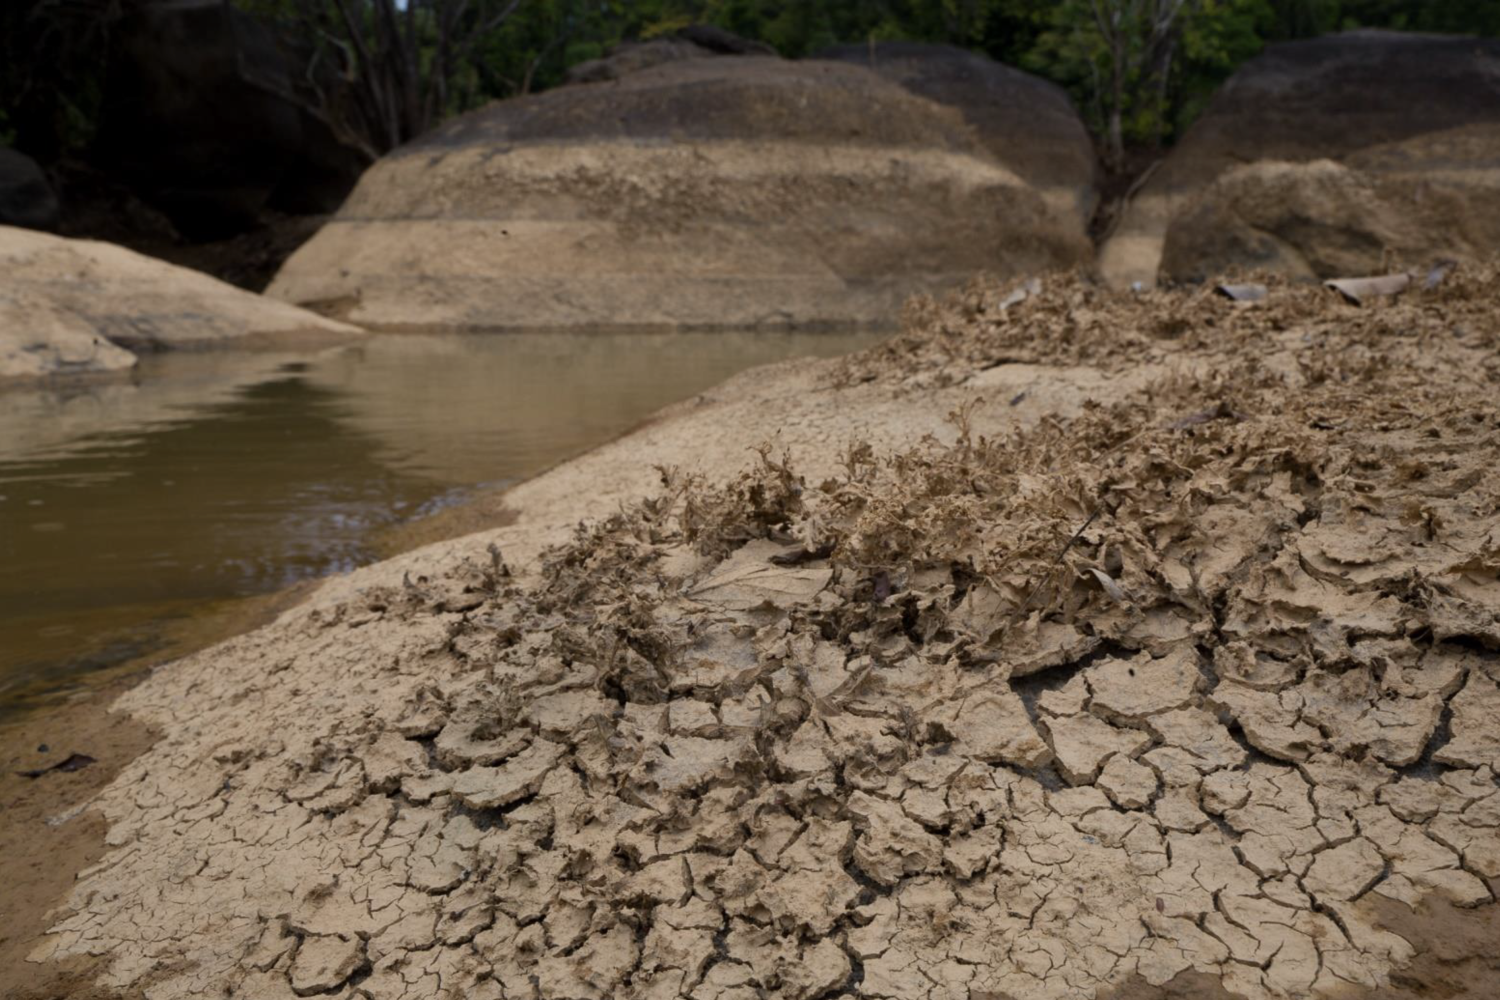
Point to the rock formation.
(26, 199)
(697, 41)
(729, 191)
(1327, 156)
(76, 307)
(1025, 122)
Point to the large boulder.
(198, 117)
(1430, 198)
(632, 57)
(744, 191)
(76, 307)
(1027, 123)
(1331, 154)
(26, 199)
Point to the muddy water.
(125, 508)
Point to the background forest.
(386, 70)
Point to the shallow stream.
(127, 507)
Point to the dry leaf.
(748, 579)
(1110, 586)
(1357, 290)
(1247, 292)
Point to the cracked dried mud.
(1171, 670)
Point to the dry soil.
(1171, 668)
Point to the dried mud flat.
(1191, 690)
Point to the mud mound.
(743, 191)
(76, 307)
(1342, 98)
(1189, 688)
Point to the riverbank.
(50, 833)
(1167, 664)
(42, 856)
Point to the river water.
(127, 507)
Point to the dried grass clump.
(1066, 320)
(1100, 521)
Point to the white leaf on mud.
(748, 580)
(1249, 291)
(1357, 290)
(1021, 293)
(1110, 586)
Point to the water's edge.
(144, 519)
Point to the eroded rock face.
(729, 191)
(1425, 200)
(1025, 122)
(1323, 157)
(76, 307)
(767, 736)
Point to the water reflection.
(464, 409)
(216, 476)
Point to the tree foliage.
(1136, 67)
(51, 56)
(383, 71)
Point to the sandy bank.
(49, 832)
(1170, 666)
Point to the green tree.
(52, 57)
(798, 28)
(1459, 17)
(1137, 67)
(383, 71)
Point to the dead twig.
(1026, 604)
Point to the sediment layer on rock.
(1027, 123)
(726, 192)
(1188, 678)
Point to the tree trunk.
(1118, 45)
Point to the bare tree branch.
(400, 61)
